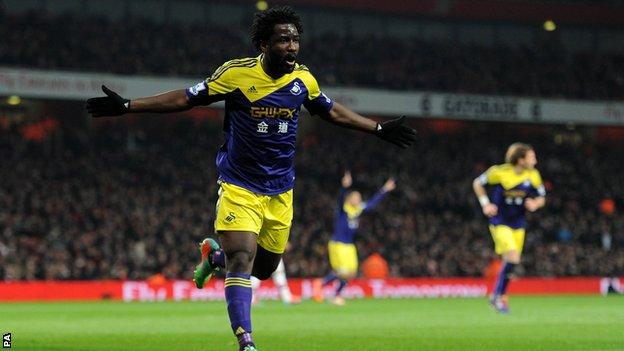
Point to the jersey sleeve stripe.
(220, 72)
(302, 68)
(231, 63)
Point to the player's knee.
(239, 261)
(263, 270)
(263, 275)
(345, 274)
(512, 257)
(265, 264)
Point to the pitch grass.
(536, 323)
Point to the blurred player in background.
(263, 98)
(342, 251)
(514, 187)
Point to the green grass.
(536, 323)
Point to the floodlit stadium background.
(110, 210)
(113, 208)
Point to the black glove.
(111, 105)
(395, 132)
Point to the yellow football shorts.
(343, 257)
(507, 239)
(269, 216)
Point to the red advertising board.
(358, 288)
(60, 290)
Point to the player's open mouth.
(290, 60)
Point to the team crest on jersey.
(296, 89)
(197, 88)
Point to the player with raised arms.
(263, 97)
(341, 248)
(515, 187)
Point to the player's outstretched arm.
(389, 185)
(393, 131)
(345, 183)
(114, 105)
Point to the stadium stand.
(128, 200)
(545, 68)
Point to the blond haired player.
(514, 188)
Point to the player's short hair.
(265, 21)
(350, 191)
(517, 151)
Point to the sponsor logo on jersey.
(273, 112)
(515, 193)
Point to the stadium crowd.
(141, 46)
(131, 199)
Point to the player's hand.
(394, 131)
(347, 180)
(110, 105)
(531, 205)
(490, 210)
(389, 185)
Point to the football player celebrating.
(263, 97)
(515, 187)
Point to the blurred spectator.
(375, 267)
(606, 240)
(607, 206)
(491, 271)
(564, 235)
